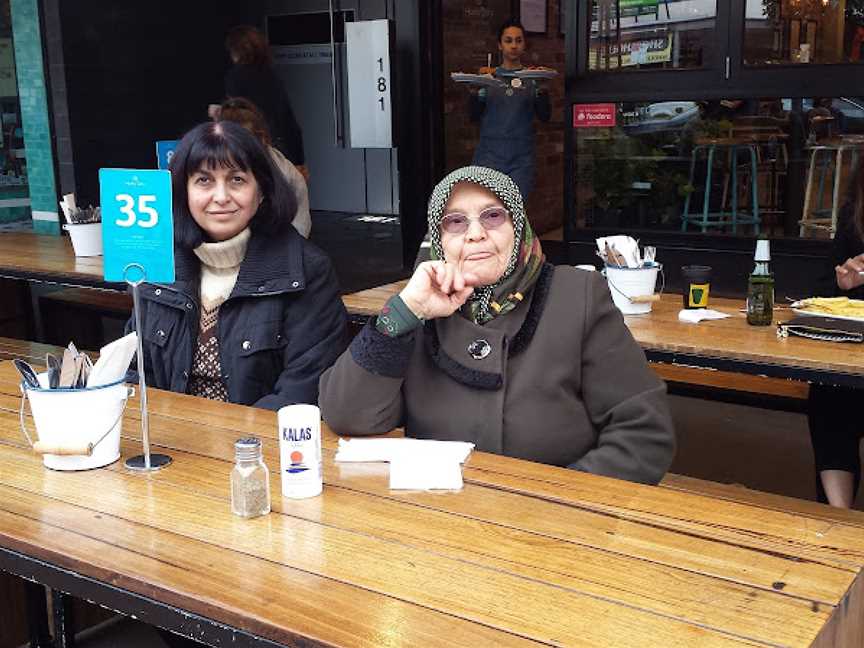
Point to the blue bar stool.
(733, 216)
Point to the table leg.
(754, 189)
(706, 203)
(685, 217)
(64, 620)
(835, 199)
(802, 227)
(733, 161)
(37, 616)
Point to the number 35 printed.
(128, 210)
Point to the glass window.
(631, 35)
(14, 191)
(792, 32)
(775, 166)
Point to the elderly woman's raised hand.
(849, 274)
(437, 289)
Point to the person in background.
(834, 430)
(729, 109)
(252, 77)
(255, 315)
(490, 344)
(244, 112)
(506, 113)
(824, 120)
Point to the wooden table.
(39, 257)
(727, 346)
(732, 345)
(524, 555)
(366, 303)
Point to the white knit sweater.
(220, 265)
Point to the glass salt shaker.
(250, 479)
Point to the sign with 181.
(137, 225)
(368, 49)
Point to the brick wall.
(470, 28)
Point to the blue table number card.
(137, 225)
(164, 152)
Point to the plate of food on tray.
(536, 73)
(476, 79)
(837, 307)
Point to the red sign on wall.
(594, 115)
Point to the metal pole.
(145, 462)
(142, 383)
(336, 135)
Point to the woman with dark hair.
(252, 77)
(506, 113)
(834, 431)
(244, 112)
(255, 314)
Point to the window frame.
(709, 83)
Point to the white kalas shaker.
(300, 450)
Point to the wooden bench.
(729, 381)
(81, 315)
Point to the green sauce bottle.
(760, 288)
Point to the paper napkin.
(113, 362)
(415, 464)
(696, 315)
(416, 472)
(388, 448)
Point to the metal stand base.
(157, 461)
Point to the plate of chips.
(838, 307)
(536, 73)
(476, 79)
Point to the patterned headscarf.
(526, 259)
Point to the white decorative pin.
(479, 349)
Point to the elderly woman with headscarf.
(490, 344)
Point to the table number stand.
(145, 462)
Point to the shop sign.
(301, 54)
(635, 52)
(594, 115)
(627, 8)
(137, 225)
(164, 152)
(638, 7)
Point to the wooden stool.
(813, 217)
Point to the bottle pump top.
(763, 250)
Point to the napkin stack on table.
(415, 464)
(696, 315)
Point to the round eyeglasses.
(490, 218)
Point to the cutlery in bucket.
(27, 373)
(53, 371)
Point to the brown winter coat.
(564, 384)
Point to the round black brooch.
(479, 349)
